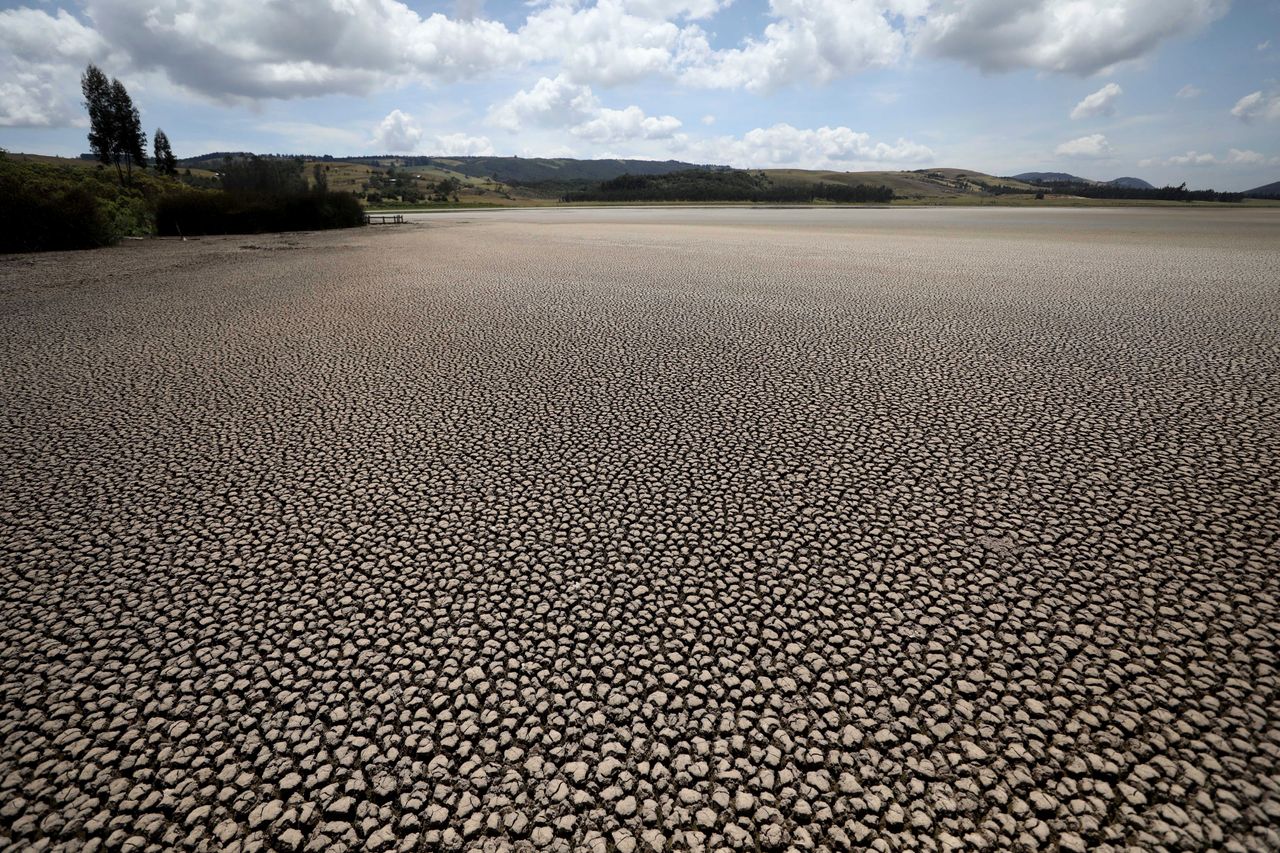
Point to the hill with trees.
(1271, 190)
(1128, 183)
(1131, 184)
(712, 185)
(506, 170)
(1051, 178)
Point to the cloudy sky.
(1168, 90)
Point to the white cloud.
(626, 124)
(1092, 146)
(1264, 46)
(708, 119)
(809, 40)
(1189, 91)
(605, 43)
(1192, 158)
(560, 103)
(1235, 157)
(462, 145)
(823, 147)
(551, 102)
(1101, 102)
(1257, 105)
(41, 57)
(298, 48)
(667, 9)
(1071, 36)
(397, 133)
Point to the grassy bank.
(52, 206)
(44, 206)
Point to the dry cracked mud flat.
(630, 530)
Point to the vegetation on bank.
(712, 185)
(46, 207)
(258, 196)
(1120, 192)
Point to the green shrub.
(247, 213)
(53, 206)
(42, 211)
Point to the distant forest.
(725, 185)
(1112, 191)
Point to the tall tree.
(166, 163)
(133, 141)
(103, 134)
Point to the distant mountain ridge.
(536, 169)
(1271, 190)
(504, 169)
(1131, 184)
(1067, 178)
(1051, 177)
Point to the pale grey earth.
(619, 530)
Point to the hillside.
(942, 183)
(1271, 190)
(505, 170)
(1128, 183)
(1052, 178)
(1131, 184)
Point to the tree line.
(729, 185)
(1112, 191)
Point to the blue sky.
(1167, 90)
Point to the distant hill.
(1127, 183)
(1051, 178)
(1265, 191)
(1131, 184)
(522, 170)
(535, 169)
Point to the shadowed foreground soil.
(693, 529)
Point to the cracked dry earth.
(631, 530)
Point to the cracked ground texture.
(650, 529)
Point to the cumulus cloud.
(297, 48)
(1071, 36)
(1258, 105)
(823, 147)
(1234, 157)
(561, 103)
(462, 145)
(667, 9)
(609, 44)
(41, 57)
(551, 102)
(1092, 146)
(397, 133)
(1101, 102)
(809, 40)
(626, 124)
(1189, 91)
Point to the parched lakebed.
(671, 529)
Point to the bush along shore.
(47, 207)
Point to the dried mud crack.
(647, 530)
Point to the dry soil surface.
(670, 529)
